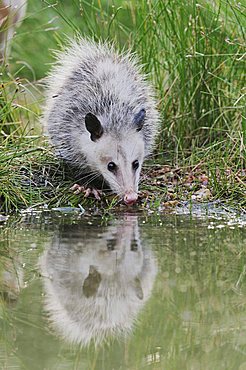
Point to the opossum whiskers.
(146, 174)
(88, 179)
(143, 177)
(118, 186)
(107, 91)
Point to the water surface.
(161, 292)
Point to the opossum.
(101, 114)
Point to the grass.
(193, 52)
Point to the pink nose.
(130, 198)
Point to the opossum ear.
(93, 125)
(139, 118)
(92, 283)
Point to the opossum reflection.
(95, 284)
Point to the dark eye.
(135, 165)
(112, 166)
(134, 245)
(111, 244)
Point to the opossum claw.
(104, 121)
(77, 189)
(97, 193)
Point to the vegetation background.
(193, 52)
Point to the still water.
(133, 292)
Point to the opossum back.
(94, 78)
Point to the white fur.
(94, 78)
(131, 145)
(127, 278)
(69, 58)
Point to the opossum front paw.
(95, 192)
(77, 189)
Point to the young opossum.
(100, 114)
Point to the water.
(156, 292)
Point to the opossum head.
(118, 157)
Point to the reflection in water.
(11, 278)
(94, 278)
(96, 283)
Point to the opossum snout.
(130, 198)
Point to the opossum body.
(100, 114)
